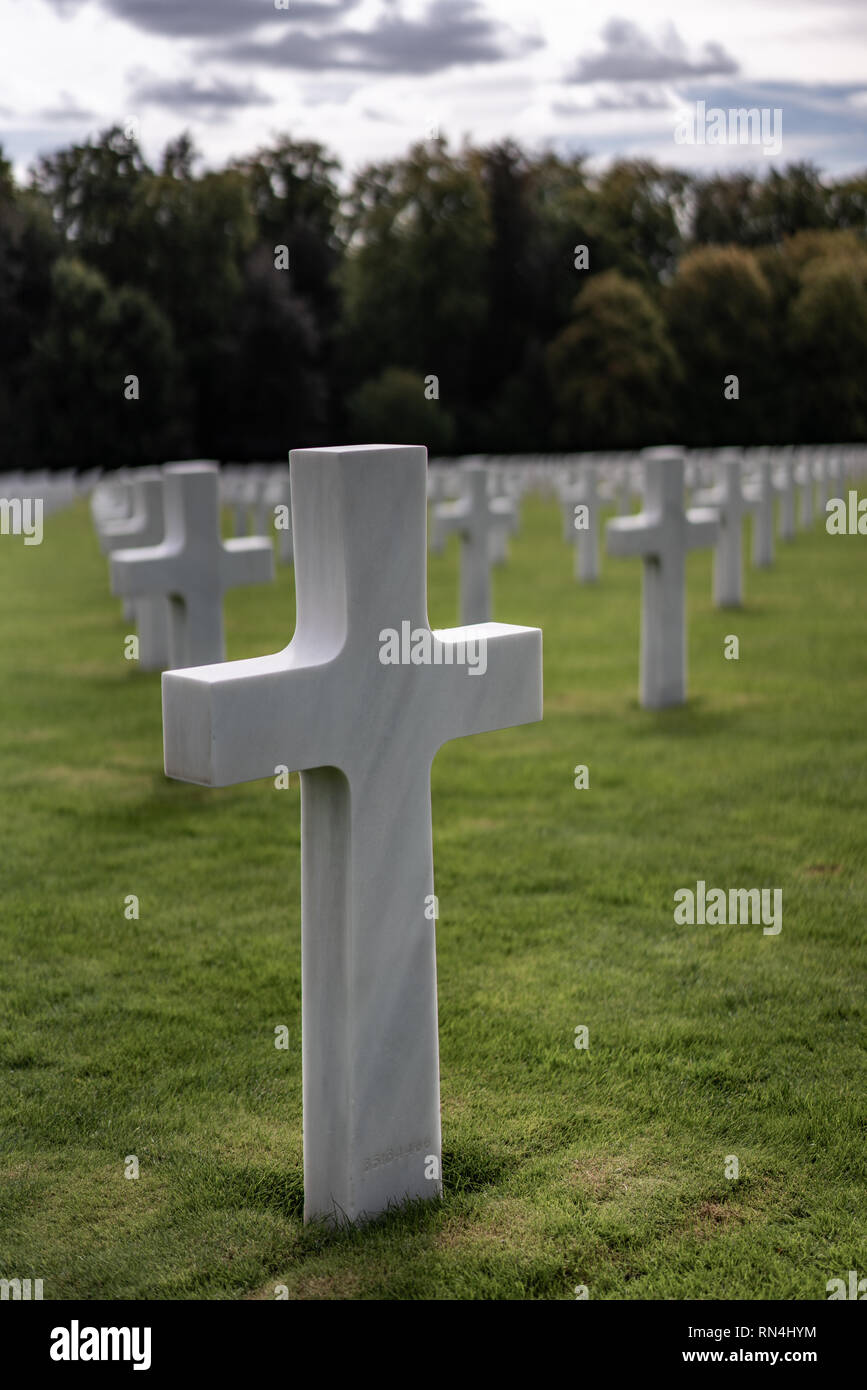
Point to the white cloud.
(57, 70)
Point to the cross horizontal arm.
(709, 497)
(634, 535)
(246, 560)
(237, 721)
(451, 518)
(508, 692)
(702, 527)
(150, 569)
(505, 513)
(115, 534)
(294, 713)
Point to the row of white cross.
(363, 734)
(160, 587)
(55, 490)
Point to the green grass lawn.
(604, 1167)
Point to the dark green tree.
(414, 278)
(722, 210)
(613, 369)
(393, 407)
(93, 190)
(828, 341)
(264, 389)
(296, 203)
(94, 341)
(719, 308)
(29, 245)
(790, 200)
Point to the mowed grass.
(604, 1167)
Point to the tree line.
(488, 300)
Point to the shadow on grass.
(208, 1184)
(168, 807)
(695, 719)
(214, 1186)
(471, 1168)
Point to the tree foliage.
(268, 304)
(393, 407)
(718, 308)
(613, 369)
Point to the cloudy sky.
(368, 77)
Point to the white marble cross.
(785, 482)
(763, 494)
(240, 508)
(143, 523)
(505, 506)
(145, 526)
(662, 534)
(823, 479)
(807, 484)
(585, 540)
(436, 477)
(193, 567)
(475, 517)
(247, 511)
(732, 504)
(436, 493)
(277, 493)
(262, 512)
(624, 489)
(835, 471)
(363, 734)
(111, 499)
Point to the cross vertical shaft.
(363, 733)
